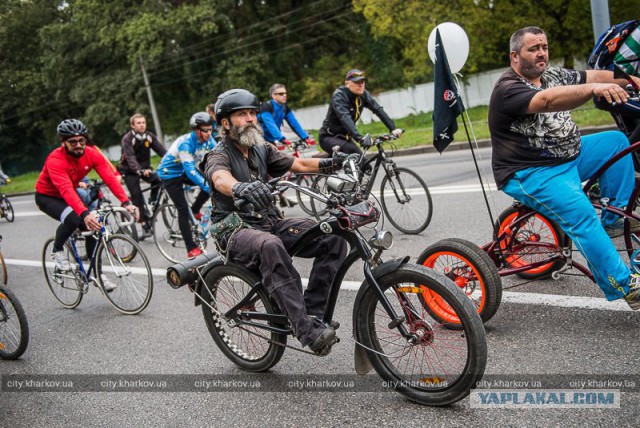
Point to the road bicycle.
(14, 328)
(117, 218)
(395, 331)
(6, 209)
(117, 261)
(167, 235)
(530, 245)
(404, 195)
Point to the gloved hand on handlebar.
(257, 193)
(364, 142)
(329, 165)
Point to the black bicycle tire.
(318, 212)
(4, 275)
(45, 258)
(22, 322)
(218, 333)
(9, 214)
(490, 282)
(559, 233)
(160, 216)
(474, 333)
(139, 254)
(386, 179)
(304, 181)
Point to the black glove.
(329, 165)
(365, 143)
(257, 194)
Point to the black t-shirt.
(523, 140)
(278, 163)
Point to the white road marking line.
(38, 264)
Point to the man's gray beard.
(249, 135)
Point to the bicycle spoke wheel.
(130, 279)
(438, 366)
(533, 240)
(14, 328)
(406, 201)
(303, 200)
(471, 269)
(8, 209)
(120, 221)
(250, 347)
(318, 209)
(166, 234)
(66, 288)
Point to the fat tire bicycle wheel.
(14, 328)
(406, 201)
(121, 222)
(318, 209)
(442, 365)
(8, 209)
(471, 269)
(524, 243)
(132, 277)
(166, 234)
(63, 285)
(4, 276)
(224, 286)
(304, 201)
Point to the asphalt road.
(549, 335)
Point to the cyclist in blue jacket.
(274, 112)
(178, 166)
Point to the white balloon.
(456, 45)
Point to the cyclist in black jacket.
(347, 102)
(135, 164)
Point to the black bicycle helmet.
(70, 128)
(200, 118)
(234, 100)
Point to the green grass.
(418, 127)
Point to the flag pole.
(475, 162)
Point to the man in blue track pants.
(540, 158)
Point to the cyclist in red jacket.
(56, 187)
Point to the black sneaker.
(323, 343)
(333, 324)
(146, 231)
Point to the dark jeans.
(174, 188)
(133, 184)
(59, 210)
(327, 142)
(265, 248)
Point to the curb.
(430, 149)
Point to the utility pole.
(599, 17)
(154, 112)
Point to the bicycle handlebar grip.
(183, 273)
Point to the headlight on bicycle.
(382, 240)
(341, 183)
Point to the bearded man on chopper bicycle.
(238, 168)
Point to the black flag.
(447, 105)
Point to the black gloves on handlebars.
(329, 165)
(364, 142)
(257, 193)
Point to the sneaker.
(333, 324)
(146, 231)
(323, 343)
(62, 264)
(108, 285)
(194, 253)
(633, 296)
(198, 216)
(617, 229)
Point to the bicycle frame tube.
(632, 148)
